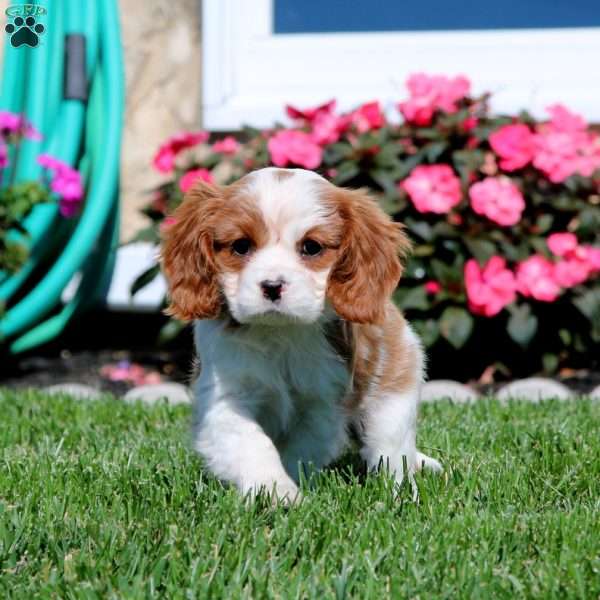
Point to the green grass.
(102, 499)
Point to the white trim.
(249, 73)
(132, 260)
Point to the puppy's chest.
(293, 384)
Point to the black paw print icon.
(24, 32)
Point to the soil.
(98, 340)
(104, 338)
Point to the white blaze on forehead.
(289, 200)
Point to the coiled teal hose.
(62, 134)
(89, 249)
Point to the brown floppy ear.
(369, 267)
(188, 256)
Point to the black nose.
(271, 289)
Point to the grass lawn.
(105, 500)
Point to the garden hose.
(62, 141)
(91, 246)
(97, 275)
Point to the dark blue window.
(321, 16)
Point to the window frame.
(249, 72)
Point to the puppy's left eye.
(241, 246)
(311, 247)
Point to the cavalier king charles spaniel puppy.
(289, 280)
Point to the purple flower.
(3, 155)
(9, 121)
(15, 123)
(66, 182)
(49, 162)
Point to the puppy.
(289, 280)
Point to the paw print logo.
(24, 32)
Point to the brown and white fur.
(289, 279)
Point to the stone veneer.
(161, 41)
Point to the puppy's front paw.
(280, 491)
(285, 492)
(426, 462)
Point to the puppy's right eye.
(241, 246)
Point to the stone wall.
(161, 41)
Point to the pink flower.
(166, 223)
(514, 145)
(3, 155)
(432, 287)
(563, 147)
(367, 117)
(30, 132)
(562, 244)
(189, 179)
(10, 122)
(228, 145)
(593, 258)
(164, 159)
(489, 289)
(433, 188)
(578, 262)
(66, 182)
(49, 162)
(588, 160)
(296, 147)
(431, 93)
(130, 373)
(15, 123)
(535, 278)
(470, 123)
(309, 114)
(571, 271)
(562, 119)
(557, 153)
(327, 127)
(499, 199)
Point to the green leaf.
(522, 325)
(387, 157)
(423, 250)
(429, 133)
(392, 204)
(148, 234)
(428, 330)
(434, 150)
(421, 228)
(170, 330)
(482, 250)
(407, 165)
(416, 298)
(544, 222)
(588, 305)
(466, 162)
(456, 325)
(447, 274)
(383, 178)
(144, 279)
(589, 221)
(346, 171)
(539, 244)
(337, 152)
(550, 362)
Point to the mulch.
(104, 339)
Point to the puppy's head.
(278, 246)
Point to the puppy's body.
(299, 339)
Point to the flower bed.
(504, 212)
(17, 199)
